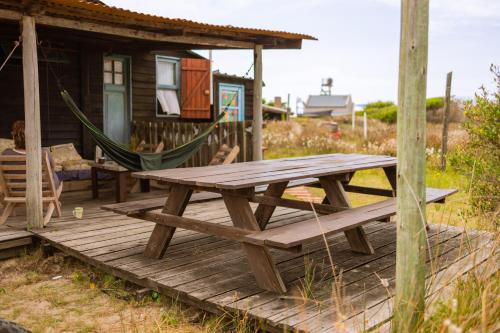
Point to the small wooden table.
(237, 184)
(120, 174)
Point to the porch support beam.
(257, 103)
(34, 204)
(140, 34)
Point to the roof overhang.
(97, 18)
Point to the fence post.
(365, 126)
(446, 120)
(411, 246)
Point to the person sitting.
(20, 147)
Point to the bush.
(386, 111)
(378, 105)
(480, 156)
(434, 103)
(388, 114)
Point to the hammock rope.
(131, 160)
(16, 45)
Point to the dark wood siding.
(58, 125)
(82, 75)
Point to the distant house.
(275, 110)
(328, 105)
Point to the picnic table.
(241, 184)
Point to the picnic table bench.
(264, 182)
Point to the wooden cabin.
(118, 66)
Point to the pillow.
(76, 165)
(6, 144)
(63, 153)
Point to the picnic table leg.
(338, 197)
(121, 186)
(259, 258)
(391, 174)
(160, 238)
(264, 212)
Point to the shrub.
(388, 114)
(378, 105)
(480, 156)
(384, 111)
(434, 103)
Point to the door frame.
(128, 89)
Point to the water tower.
(326, 86)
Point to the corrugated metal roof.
(322, 101)
(100, 8)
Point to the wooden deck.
(13, 240)
(212, 274)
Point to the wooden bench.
(293, 235)
(141, 206)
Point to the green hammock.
(139, 161)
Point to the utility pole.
(411, 246)
(446, 120)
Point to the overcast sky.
(358, 42)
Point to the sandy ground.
(59, 294)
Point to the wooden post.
(353, 119)
(288, 108)
(411, 243)
(34, 204)
(446, 120)
(257, 103)
(365, 126)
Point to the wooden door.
(116, 106)
(195, 88)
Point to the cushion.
(76, 165)
(6, 144)
(64, 152)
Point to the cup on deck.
(78, 212)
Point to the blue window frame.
(232, 100)
(167, 86)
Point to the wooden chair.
(225, 155)
(144, 147)
(13, 183)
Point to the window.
(113, 72)
(167, 87)
(231, 100)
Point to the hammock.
(135, 161)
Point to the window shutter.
(195, 88)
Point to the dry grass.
(305, 136)
(59, 294)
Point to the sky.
(358, 43)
